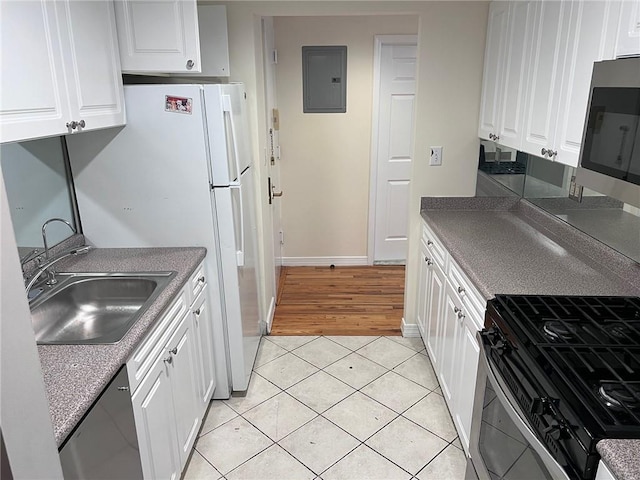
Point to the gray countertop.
(509, 246)
(74, 375)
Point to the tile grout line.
(321, 414)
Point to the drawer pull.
(460, 290)
(168, 360)
(197, 312)
(174, 350)
(201, 279)
(428, 260)
(429, 243)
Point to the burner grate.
(574, 320)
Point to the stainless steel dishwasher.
(105, 445)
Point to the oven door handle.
(510, 405)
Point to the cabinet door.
(203, 331)
(516, 73)
(155, 425)
(435, 315)
(628, 43)
(33, 97)
(158, 35)
(550, 32)
(591, 39)
(466, 365)
(92, 63)
(183, 373)
(449, 348)
(423, 290)
(493, 69)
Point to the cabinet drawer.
(196, 283)
(435, 247)
(470, 296)
(145, 355)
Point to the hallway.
(340, 301)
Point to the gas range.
(573, 365)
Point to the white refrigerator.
(180, 174)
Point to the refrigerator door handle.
(240, 251)
(226, 105)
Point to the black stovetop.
(583, 353)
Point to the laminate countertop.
(509, 246)
(75, 375)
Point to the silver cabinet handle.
(168, 360)
(428, 260)
(197, 312)
(190, 64)
(123, 388)
(456, 310)
(460, 290)
(174, 350)
(201, 279)
(73, 124)
(459, 312)
(429, 243)
(543, 152)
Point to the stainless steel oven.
(502, 444)
(557, 374)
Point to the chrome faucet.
(47, 265)
(52, 274)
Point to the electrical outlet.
(436, 156)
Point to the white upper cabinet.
(568, 38)
(516, 73)
(506, 72)
(167, 36)
(33, 98)
(628, 43)
(538, 63)
(551, 29)
(493, 69)
(59, 65)
(88, 33)
(591, 39)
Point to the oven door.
(503, 446)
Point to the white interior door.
(394, 101)
(273, 150)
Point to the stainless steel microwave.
(610, 153)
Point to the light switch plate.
(436, 156)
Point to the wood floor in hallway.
(340, 301)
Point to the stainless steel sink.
(94, 308)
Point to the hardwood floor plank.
(340, 301)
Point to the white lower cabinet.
(203, 327)
(170, 401)
(450, 310)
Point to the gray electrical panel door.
(324, 79)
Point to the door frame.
(379, 41)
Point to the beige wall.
(451, 41)
(326, 157)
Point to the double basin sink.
(94, 308)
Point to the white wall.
(24, 409)
(451, 39)
(326, 158)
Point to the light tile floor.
(333, 408)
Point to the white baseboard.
(270, 314)
(323, 261)
(410, 329)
